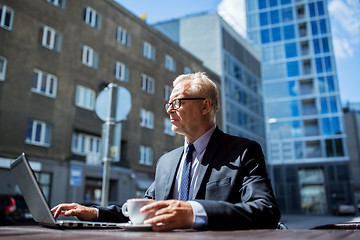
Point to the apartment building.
(56, 56)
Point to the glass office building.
(208, 37)
(306, 145)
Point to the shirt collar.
(201, 143)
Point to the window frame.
(39, 83)
(121, 72)
(45, 133)
(146, 155)
(3, 69)
(57, 3)
(170, 63)
(54, 37)
(84, 144)
(147, 84)
(167, 127)
(146, 119)
(4, 11)
(91, 17)
(148, 51)
(123, 36)
(89, 56)
(85, 97)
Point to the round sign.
(121, 98)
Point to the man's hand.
(76, 210)
(169, 214)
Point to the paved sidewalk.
(310, 221)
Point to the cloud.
(233, 12)
(345, 25)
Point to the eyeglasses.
(176, 103)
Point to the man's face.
(186, 119)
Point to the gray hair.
(203, 85)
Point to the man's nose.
(170, 109)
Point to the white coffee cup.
(132, 207)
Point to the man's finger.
(154, 206)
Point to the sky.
(344, 19)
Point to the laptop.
(36, 202)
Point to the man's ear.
(206, 106)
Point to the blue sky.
(344, 18)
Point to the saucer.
(135, 227)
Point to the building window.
(170, 63)
(123, 36)
(91, 17)
(6, 17)
(146, 156)
(57, 3)
(187, 70)
(167, 92)
(49, 38)
(146, 119)
(121, 72)
(334, 147)
(84, 144)
(147, 84)
(85, 97)
(89, 57)
(3, 64)
(148, 51)
(38, 133)
(44, 83)
(167, 127)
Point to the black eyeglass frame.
(177, 106)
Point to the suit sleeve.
(252, 204)
(111, 214)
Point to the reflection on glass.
(265, 37)
(287, 15)
(292, 68)
(322, 86)
(324, 105)
(314, 28)
(336, 125)
(316, 46)
(296, 129)
(326, 126)
(276, 35)
(293, 89)
(289, 32)
(330, 83)
(274, 15)
(299, 151)
(333, 104)
(313, 149)
(264, 19)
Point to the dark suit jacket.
(232, 186)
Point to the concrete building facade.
(55, 58)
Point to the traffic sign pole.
(113, 104)
(109, 125)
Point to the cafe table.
(39, 232)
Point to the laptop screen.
(30, 189)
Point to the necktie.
(186, 174)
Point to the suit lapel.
(211, 148)
(173, 164)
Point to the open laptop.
(35, 199)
